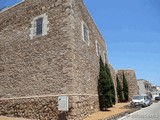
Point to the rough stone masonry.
(63, 60)
(131, 79)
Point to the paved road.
(149, 113)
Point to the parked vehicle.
(157, 98)
(141, 100)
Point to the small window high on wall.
(85, 33)
(104, 56)
(39, 26)
(98, 49)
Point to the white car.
(141, 100)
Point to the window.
(39, 26)
(104, 56)
(98, 49)
(85, 33)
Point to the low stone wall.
(46, 107)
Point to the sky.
(131, 30)
(6, 3)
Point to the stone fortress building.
(49, 49)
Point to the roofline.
(144, 80)
(7, 8)
(95, 24)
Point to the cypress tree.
(103, 88)
(113, 93)
(119, 91)
(125, 88)
(112, 90)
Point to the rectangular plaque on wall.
(63, 103)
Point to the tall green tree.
(112, 89)
(103, 88)
(125, 88)
(119, 91)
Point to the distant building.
(158, 88)
(144, 86)
(154, 88)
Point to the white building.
(144, 86)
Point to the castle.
(49, 49)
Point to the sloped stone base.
(46, 107)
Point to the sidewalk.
(116, 109)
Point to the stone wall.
(113, 74)
(86, 61)
(57, 63)
(45, 107)
(131, 79)
(42, 65)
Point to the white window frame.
(104, 57)
(83, 37)
(45, 27)
(98, 50)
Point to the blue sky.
(131, 29)
(5, 3)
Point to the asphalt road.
(149, 113)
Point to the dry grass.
(9, 118)
(116, 109)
